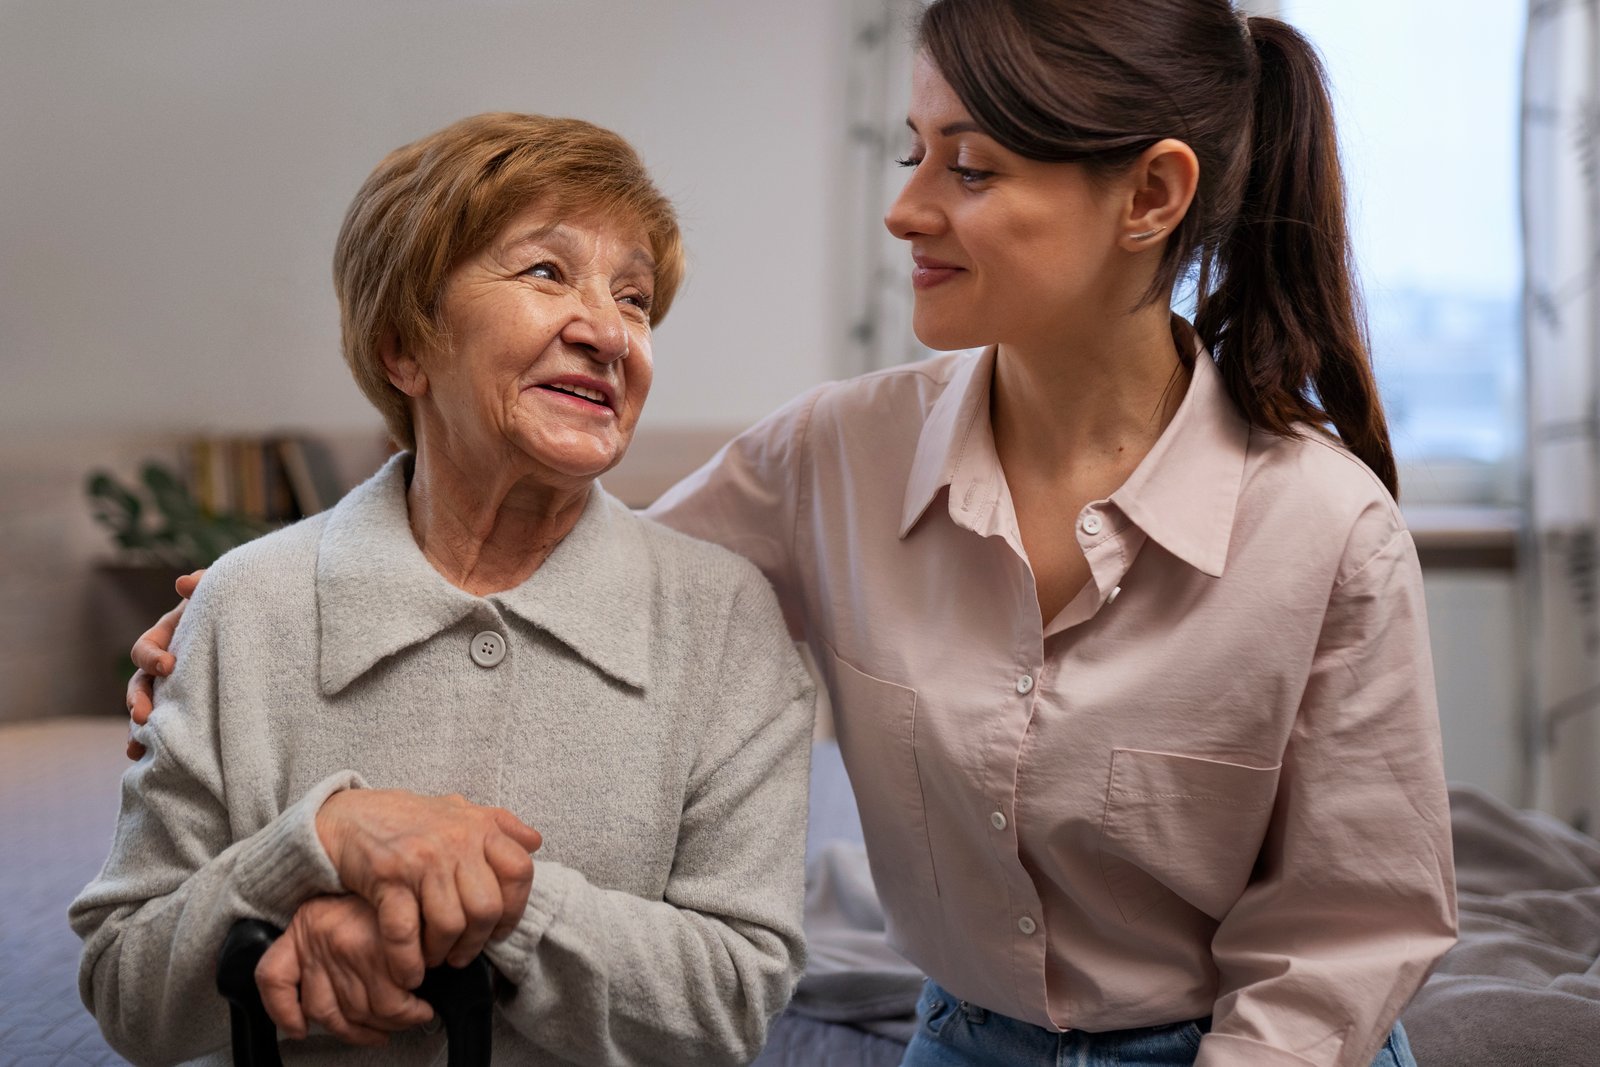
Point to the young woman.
(1123, 630)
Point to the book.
(310, 472)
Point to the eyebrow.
(951, 130)
(538, 233)
(560, 232)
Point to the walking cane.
(462, 997)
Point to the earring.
(1146, 235)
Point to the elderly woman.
(479, 618)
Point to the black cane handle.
(462, 998)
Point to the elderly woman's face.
(549, 358)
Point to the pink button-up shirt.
(1211, 786)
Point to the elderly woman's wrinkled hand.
(444, 875)
(329, 968)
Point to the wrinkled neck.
(487, 530)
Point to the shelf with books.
(222, 492)
(269, 479)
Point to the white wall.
(174, 173)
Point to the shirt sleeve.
(747, 498)
(155, 917)
(605, 977)
(1353, 900)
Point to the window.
(1427, 96)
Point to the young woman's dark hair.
(1099, 81)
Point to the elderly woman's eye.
(638, 300)
(544, 269)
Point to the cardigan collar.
(1183, 494)
(377, 594)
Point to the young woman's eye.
(971, 175)
(544, 269)
(907, 162)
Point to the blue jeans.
(953, 1033)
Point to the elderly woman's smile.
(545, 361)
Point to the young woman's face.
(1006, 250)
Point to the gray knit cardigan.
(650, 717)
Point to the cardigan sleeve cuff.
(553, 883)
(1229, 1050)
(284, 864)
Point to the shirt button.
(488, 649)
(1091, 524)
(1026, 925)
(998, 820)
(1025, 684)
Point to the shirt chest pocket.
(1183, 826)
(876, 723)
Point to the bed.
(1522, 986)
(59, 781)
(1522, 989)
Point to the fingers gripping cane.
(462, 997)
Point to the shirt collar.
(377, 594)
(1183, 495)
(955, 425)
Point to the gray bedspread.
(856, 1003)
(852, 975)
(1522, 988)
(59, 782)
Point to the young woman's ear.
(1160, 187)
(405, 372)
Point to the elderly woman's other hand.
(453, 872)
(329, 968)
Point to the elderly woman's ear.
(404, 370)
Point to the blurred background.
(174, 177)
(174, 172)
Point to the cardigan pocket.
(1182, 826)
(876, 724)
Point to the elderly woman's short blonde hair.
(436, 201)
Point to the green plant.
(175, 530)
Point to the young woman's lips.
(927, 273)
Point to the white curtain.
(1561, 311)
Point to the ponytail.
(1096, 82)
(1279, 307)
